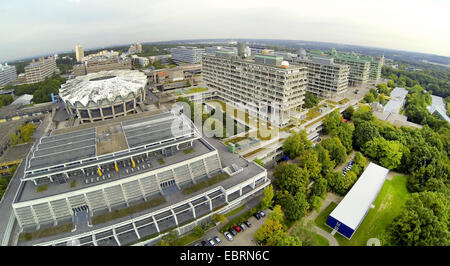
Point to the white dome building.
(104, 95)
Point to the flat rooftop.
(81, 145)
(354, 206)
(89, 178)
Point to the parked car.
(211, 242)
(262, 214)
(228, 236)
(196, 245)
(217, 239)
(257, 216)
(204, 243)
(247, 223)
(237, 228)
(233, 232)
(242, 226)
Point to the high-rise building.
(325, 78)
(265, 86)
(37, 71)
(79, 52)
(7, 74)
(135, 48)
(359, 66)
(375, 66)
(102, 61)
(191, 55)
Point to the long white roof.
(104, 85)
(354, 206)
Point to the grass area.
(307, 235)
(343, 101)
(254, 152)
(323, 216)
(195, 90)
(73, 183)
(312, 113)
(235, 211)
(127, 211)
(161, 161)
(190, 150)
(187, 239)
(388, 204)
(27, 236)
(206, 183)
(41, 188)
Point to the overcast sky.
(33, 27)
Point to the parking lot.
(244, 238)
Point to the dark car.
(257, 216)
(247, 223)
(232, 231)
(204, 243)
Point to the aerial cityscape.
(170, 139)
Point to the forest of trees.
(41, 91)
(435, 80)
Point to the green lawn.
(307, 235)
(235, 211)
(391, 198)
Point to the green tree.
(324, 159)
(387, 153)
(332, 121)
(364, 132)
(277, 214)
(319, 188)
(267, 230)
(281, 238)
(267, 199)
(364, 113)
(296, 143)
(309, 161)
(14, 139)
(198, 231)
(315, 202)
(345, 134)
(291, 178)
(311, 100)
(26, 131)
(294, 207)
(348, 112)
(369, 98)
(391, 83)
(423, 221)
(337, 151)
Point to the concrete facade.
(37, 71)
(263, 88)
(7, 74)
(325, 78)
(191, 55)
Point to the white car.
(228, 236)
(217, 239)
(211, 242)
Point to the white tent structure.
(350, 212)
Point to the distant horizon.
(203, 39)
(45, 26)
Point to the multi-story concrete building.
(191, 55)
(255, 50)
(79, 52)
(212, 49)
(375, 66)
(265, 86)
(135, 48)
(7, 74)
(37, 71)
(359, 67)
(142, 61)
(124, 164)
(174, 78)
(102, 61)
(326, 78)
